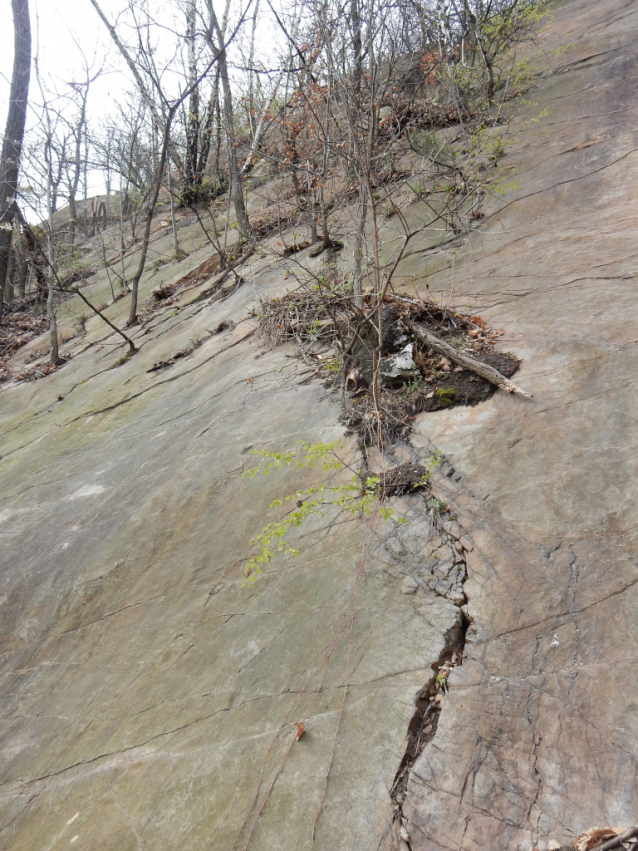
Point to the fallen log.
(484, 370)
(617, 841)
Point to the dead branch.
(131, 344)
(487, 372)
(617, 841)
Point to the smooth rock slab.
(141, 686)
(538, 738)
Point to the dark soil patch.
(470, 389)
(434, 383)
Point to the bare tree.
(219, 48)
(14, 133)
(79, 164)
(193, 118)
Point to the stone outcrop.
(149, 699)
(539, 735)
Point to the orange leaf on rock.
(301, 729)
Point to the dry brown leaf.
(301, 729)
(478, 320)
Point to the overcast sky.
(59, 22)
(56, 27)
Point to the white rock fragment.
(400, 364)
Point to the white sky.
(53, 36)
(62, 20)
(59, 21)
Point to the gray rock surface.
(539, 735)
(143, 689)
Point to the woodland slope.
(149, 699)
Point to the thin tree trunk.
(53, 325)
(358, 246)
(22, 267)
(79, 166)
(173, 223)
(123, 274)
(73, 222)
(213, 109)
(8, 285)
(236, 188)
(14, 133)
(132, 319)
(192, 124)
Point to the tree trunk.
(123, 198)
(14, 132)
(73, 224)
(176, 250)
(22, 267)
(213, 110)
(132, 319)
(358, 246)
(8, 284)
(191, 188)
(236, 189)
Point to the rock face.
(144, 687)
(149, 700)
(539, 735)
